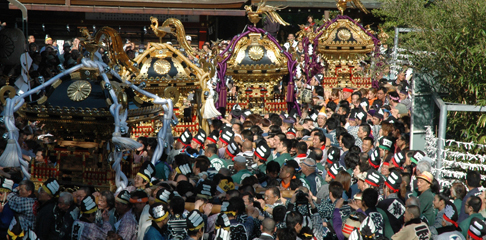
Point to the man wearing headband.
(347, 92)
(139, 200)
(449, 225)
(159, 213)
(85, 227)
(126, 227)
(392, 205)
(195, 225)
(48, 194)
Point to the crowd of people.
(342, 168)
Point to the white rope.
(164, 136)
(12, 155)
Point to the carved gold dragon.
(114, 44)
(343, 4)
(269, 11)
(173, 26)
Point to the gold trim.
(42, 100)
(137, 99)
(56, 83)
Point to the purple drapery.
(221, 87)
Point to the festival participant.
(288, 181)
(241, 170)
(346, 142)
(160, 216)
(268, 229)
(458, 191)
(15, 231)
(309, 169)
(440, 201)
(473, 179)
(449, 228)
(283, 149)
(177, 224)
(392, 205)
(272, 199)
(426, 197)
(333, 170)
(65, 214)
(472, 207)
(477, 229)
(143, 179)
(106, 201)
(414, 228)
(24, 204)
(301, 152)
(320, 141)
(6, 214)
(291, 43)
(381, 95)
(126, 227)
(48, 195)
(140, 210)
(321, 121)
(294, 221)
(240, 228)
(364, 131)
(226, 137)
(260, 156)
(197, 142)
(141, 153)
(85, 227)
(346, 94)
(216, 162)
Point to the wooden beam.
(225, 4)
(97, 9)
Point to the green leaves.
(453, 33)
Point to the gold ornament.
(344, 34)
(123, 99)
(173, 93)
(162, 66)
(255, 53)
(11, 93)
(79, 90)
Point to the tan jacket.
(416, 231)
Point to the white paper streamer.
(454, 161)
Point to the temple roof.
(183, 7)
(370, 4)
